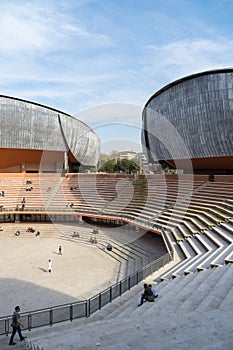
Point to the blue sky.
(101, 60)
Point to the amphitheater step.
(210, 278)
(174, 323)
(179, 293)
(217, 294)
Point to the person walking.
(50, 265)
(60, 250)
(16, 324)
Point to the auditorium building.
(35, 138)
(188, 124)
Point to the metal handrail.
(84, 308)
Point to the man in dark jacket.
(147, 292)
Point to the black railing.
(84, 308)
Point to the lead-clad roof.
(28, 125)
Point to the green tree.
(120, 166)
(108, 167)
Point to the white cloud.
(43, 52)
(93, 39)
(31, 26)
(54, 52)
(180, 58)
(23, 27)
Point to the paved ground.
(25, 280)
(80, 272)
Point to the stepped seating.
(46, 230)
(200, 217)
(86, 193)
(12, 188)
(148, 204)
(132, 253)
(200, 226)
(180, 233)
(152, 197)
(15, 189)
(196, 217)
(211, 248)
(185, 307)
(187, 208)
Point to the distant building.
(138, 158)
(141, 158)
(129, 155)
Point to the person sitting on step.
(147, 295)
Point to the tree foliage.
(120, 166)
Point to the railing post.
(120, 288)
(129, 283)
(51, 317)
(110, 294)
(100, 295)
(29, 321)
(88, 307)
(7, 326)
(71, 312)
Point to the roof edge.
(50, 108)
(188, 77)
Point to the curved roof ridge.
(189, 77)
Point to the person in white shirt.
(154, 291)
(50, 265)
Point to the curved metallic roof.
(189, 77)
(30, 125)
(191, 118)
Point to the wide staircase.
(195, 295)
(196, 214)
(191, 312)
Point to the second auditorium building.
(189, 123)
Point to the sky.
(101, 60)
